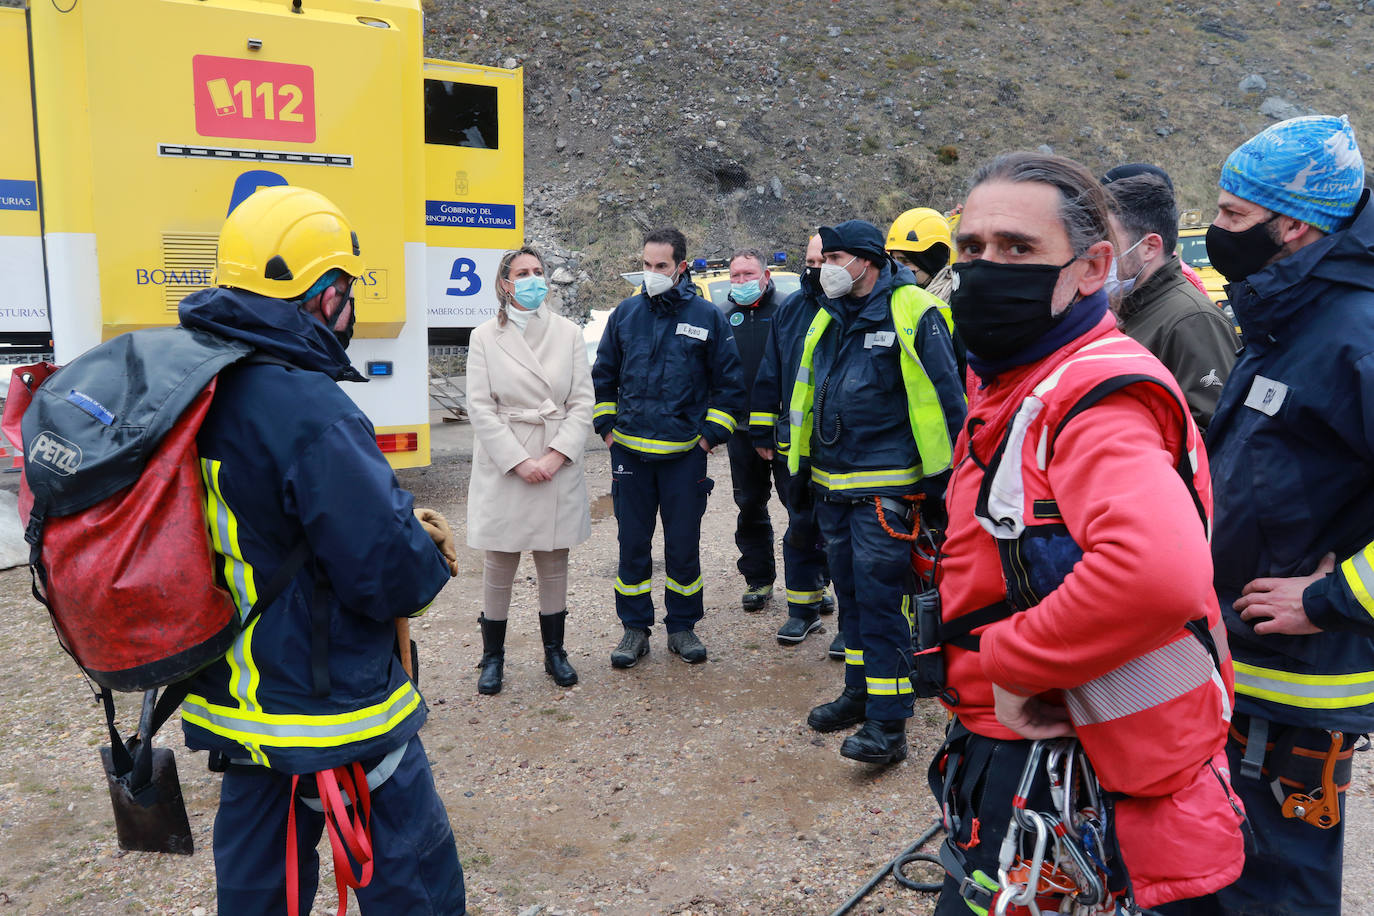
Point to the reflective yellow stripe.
(675, 586)
(603, 409)
(897, 477)
(639, 588)
(797, 597)
(654, 446)
(888, 686)
(244, 677)
(253, 727)
(1359, 575)
(1306, 691)
(853, 656)
(758, 418)
(224, 535)
(906, 612)
(721, 418)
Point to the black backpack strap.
(959, 631)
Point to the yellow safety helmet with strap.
(281, 239)
(919, 230)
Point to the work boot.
(848, 710)
(880, 741)
(827, 603)
(686, 644)
(795, 629)
(555, 658)
(634, 645)
(756, 596)
(836, 650)
(493, 661)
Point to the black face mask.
(1237, 255)
(346, 335)
(1001, 309)
(811, 281)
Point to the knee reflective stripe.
(603, 409)
(853, 656)
(255, 727)
(1359, 576)
(759, 418)
(638, 588)
(721, 418)
(888, 686)
(224, 535)
(686, 590)
(895, 477)
(1305, 691)
(653, 446)
(797, 597)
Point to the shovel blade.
(161, 825)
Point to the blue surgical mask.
(746, 293)
(530, 292)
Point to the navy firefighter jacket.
(667, 374)
(770, 398)
(862, 428)
(750, 326)
(1291, 448)
(287, 457)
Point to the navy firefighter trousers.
(753, 480)
(641, 489)
(415, 865)
(871, 572)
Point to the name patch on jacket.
(879, 339)
(1266, 395)
(691, 330)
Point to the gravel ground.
(666, 789)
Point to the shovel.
(149, 811)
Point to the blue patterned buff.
(1308, 168)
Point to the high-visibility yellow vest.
(928, 426)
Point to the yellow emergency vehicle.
(151, 119)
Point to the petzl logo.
(55, 453)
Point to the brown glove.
(436, 526)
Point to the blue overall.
(803, 550)
(641, 489)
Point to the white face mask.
(1114, 285)
(657, 284)
(835, 279)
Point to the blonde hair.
(503, 295)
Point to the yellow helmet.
(280, 240)
(919, 230)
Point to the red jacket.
(1113, 562)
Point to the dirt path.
(666, 789)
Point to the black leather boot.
(555, 658)
(879, 741)
(493, 661)
(848, 710)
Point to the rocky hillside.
(748, 124)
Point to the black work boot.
(493, 661)
(555, 658)
(880, 741)
(849, 709)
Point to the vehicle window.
(1193, 251)
(786, 286)
(720, 289)
(461, 114)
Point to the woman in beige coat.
(529, 396)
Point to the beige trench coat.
(527, 393)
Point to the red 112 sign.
(254, 99)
